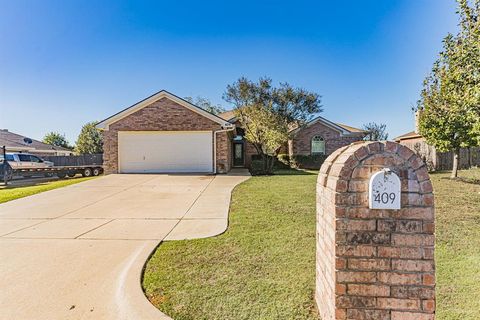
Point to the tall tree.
(266, 112)
(56, 139)
(375, 131)
(449, 105)
(206, 104)
(89, 140)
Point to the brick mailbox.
(375, 251)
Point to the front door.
(238, 155)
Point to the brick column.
(110, 151)
(374, 264)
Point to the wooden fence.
(82, 160)
(469, 157)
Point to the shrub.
(283, 161)
(256, 167)
(307, 161)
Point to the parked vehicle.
(28, 165)
(26, 161)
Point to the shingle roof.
(15, 141)
(349, 128)
(227, 115)
(409, 135)
(104, 124)
(230, 115)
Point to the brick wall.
(301, 142)
(163, 115)
(374, 264)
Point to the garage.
(165, 151)
(164, 133)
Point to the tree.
(375, 131)
(89, 140)
(206, 104)
(449, 105)
(56, 139)
(266, 113)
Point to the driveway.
(78, 252)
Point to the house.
(15, 142)
(434, 159)
(317, 137)
(165, 133)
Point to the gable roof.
(228, 115)
(15, 141)
(104, 124)
(408, 135)
(342, 128)
(350, 128)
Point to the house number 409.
(384, 190)
(384, 197)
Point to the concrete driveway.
(78, 252)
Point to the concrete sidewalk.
(78, 252)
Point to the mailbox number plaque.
(384, 190)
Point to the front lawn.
(458, 245)
(13, 192)
(263, 267)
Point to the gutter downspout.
(215, 146)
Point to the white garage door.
(165, 151)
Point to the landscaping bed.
(263, 267)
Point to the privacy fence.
(81, 160)
(469, 157)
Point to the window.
(318, 145)
(24, 157)
(35, 159)
(10, 157)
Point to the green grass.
(15, 192)
(458, 245)
(263, 267)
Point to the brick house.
(318, 136)
(321, 136)
(165, 133)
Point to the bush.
(256, 167)
(304, 161)
(283, 161)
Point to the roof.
(230, 116)
(14, 141)
(104, 124)
(351, 129)
(409, 135)
(342, 128)
(227, 115)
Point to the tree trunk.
(271, 163)
(456, 156)
(264, 161)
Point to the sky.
(65, 63)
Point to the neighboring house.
(317, 137)
(17, 143)
(434, 159)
